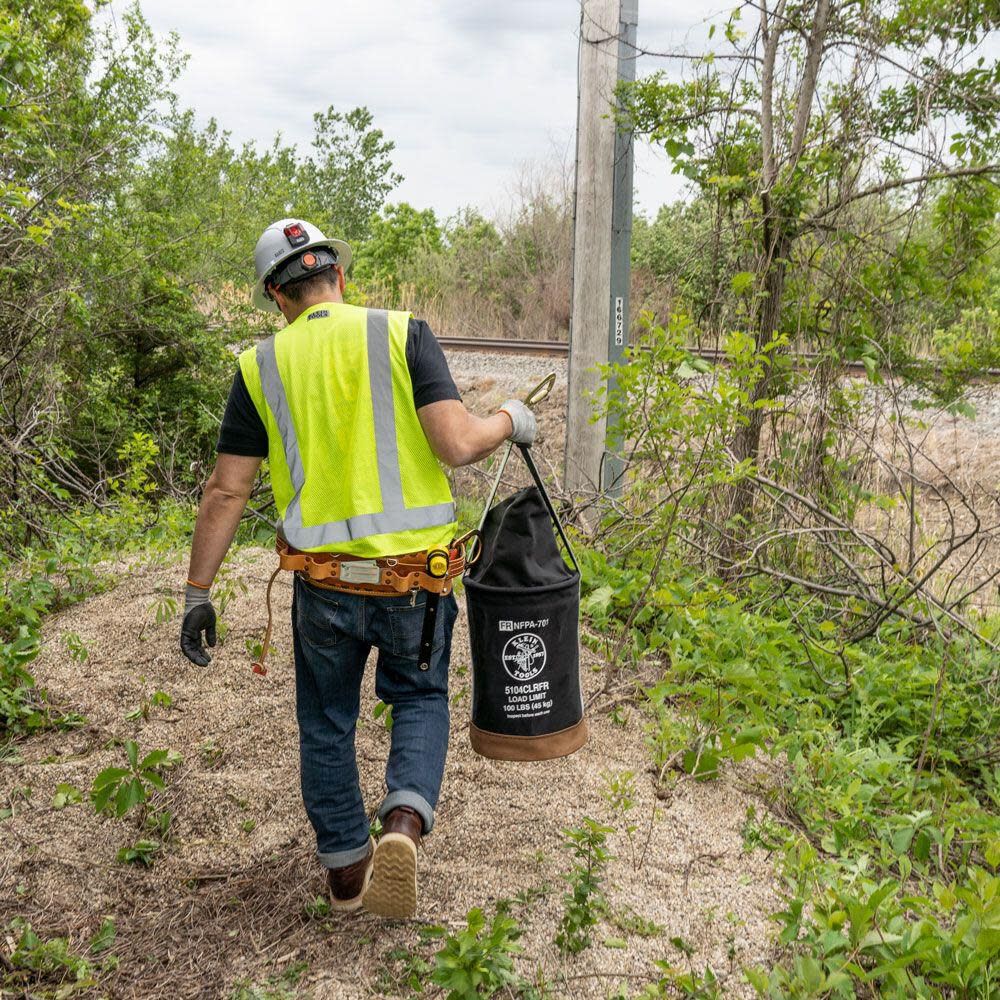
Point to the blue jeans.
(334, 633)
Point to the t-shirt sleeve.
(242, 431)
(429, 372)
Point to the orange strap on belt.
(396, 575)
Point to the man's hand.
(524, 426)
(199, 616)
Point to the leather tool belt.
(385, 577)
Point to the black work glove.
(199, 616)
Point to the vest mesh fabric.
(351, 468)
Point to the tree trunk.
(746, 441)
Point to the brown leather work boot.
(347, 884)
(392, 891)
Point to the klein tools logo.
(524, 656)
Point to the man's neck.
(318, 298)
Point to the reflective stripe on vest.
(394, 516)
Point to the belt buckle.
(360, 571)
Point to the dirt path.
(226, 902)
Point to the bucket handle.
(530, 463)
(535, 396)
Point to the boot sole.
(392, 891)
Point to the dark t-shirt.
(243, 432)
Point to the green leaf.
(104, 938)
(152, 760)
(703, 766)
(130, 793)
(741, 281)
(66, 795)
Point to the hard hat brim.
(259, 297)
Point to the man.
(353, 408)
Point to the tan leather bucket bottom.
(501, 747)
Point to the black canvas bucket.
(524, 608)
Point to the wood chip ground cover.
(226, 902)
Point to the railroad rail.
(560, 348)
(490, 345)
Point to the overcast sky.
(469, 90)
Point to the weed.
(210, 752)
(318, 909)
(384, 712)
(118, 789)
(404, 969)
(142, 852)
(66, 795)
(629, 922)
(160, 824)
(890, 870)
(478, 961)
(278, 987)
(762, 832)
(75, 646)
(14, 797)
(160, 612)
(37, 963)
(104, 938)
(158, 699)
(584, 903)
(698, 985)
(227, 588)
(528, 897)
(620, 793)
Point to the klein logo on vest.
(524, 656)
(318, 314)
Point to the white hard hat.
(285, 237)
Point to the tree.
(126, 249)
(345, 182)
(821, 136)
(396, 236)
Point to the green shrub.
(890, 869)
(584, 904)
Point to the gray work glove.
(199, 616)
(525, 426)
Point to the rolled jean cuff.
(415, 801)
(340, 859)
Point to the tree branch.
(936, 175)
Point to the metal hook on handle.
(541, 390)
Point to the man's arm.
(458, 437)
(226, 495)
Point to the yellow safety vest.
(351, 468)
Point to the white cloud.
(468, 90)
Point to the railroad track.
(490, 345)
(560, 348)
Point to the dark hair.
(296, 291)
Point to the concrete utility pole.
(602, 235)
